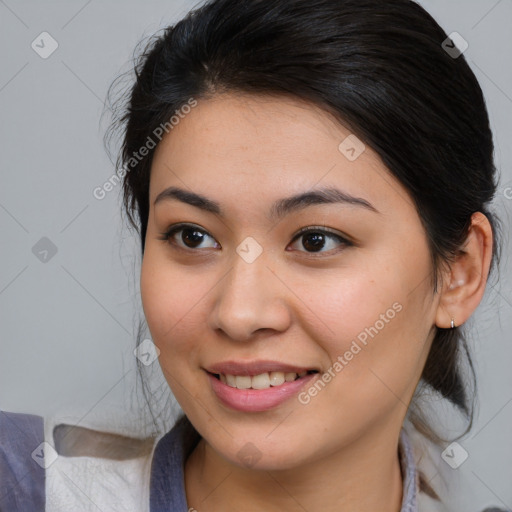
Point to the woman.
(311, 183)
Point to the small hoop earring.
(452, 324)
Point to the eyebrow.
(281, 208)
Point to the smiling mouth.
(261, 381)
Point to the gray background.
(67, 324)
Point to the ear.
(464, 282)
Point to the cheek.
(171, 298)
(165, 300)
(346, 305)
(372, 325)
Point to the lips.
(258, 385)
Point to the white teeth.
(277, 378)
(261, 381)
(243, 381)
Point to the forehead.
(256, 147)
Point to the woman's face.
(238, 293)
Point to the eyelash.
(167, 237)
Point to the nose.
(250, 299)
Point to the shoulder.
(415, 452)
(167, 472)
(58, 463)
(62, 463)
(415, 495)
(21, 453)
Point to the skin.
(205, 304)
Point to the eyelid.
(175, 228)
(344, 239)
(323, 229)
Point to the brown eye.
(186, 236)
(315, 240)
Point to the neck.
(361, 477)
